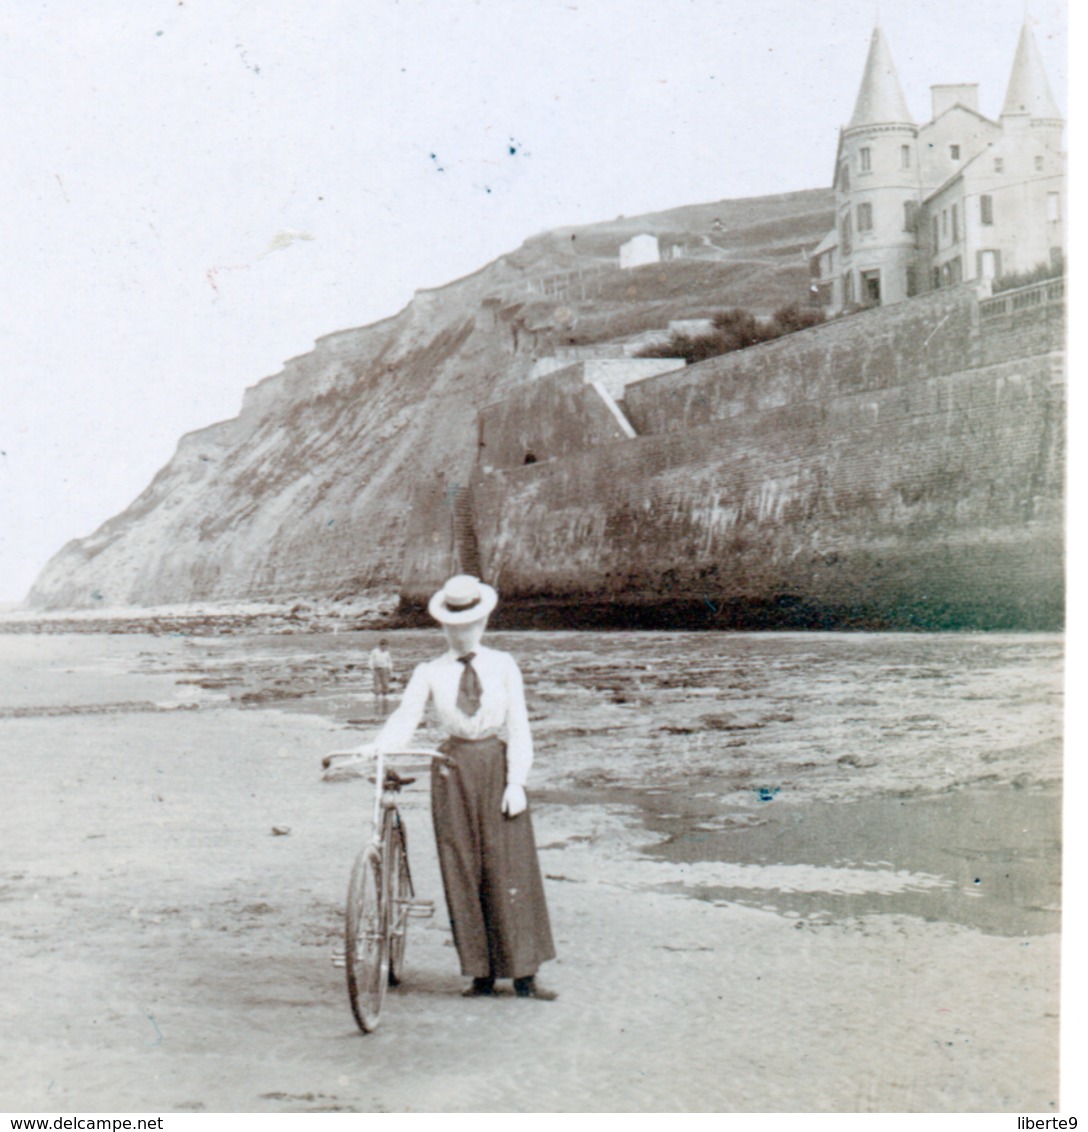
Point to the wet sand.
(786, 873)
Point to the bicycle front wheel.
(366, 940)
(400, 896)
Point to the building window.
(936, 278)
(848, 288)
(944, 222)
(986, 209)
(865, 217)
(955, 223)
(904, 156)
(910, 215)
(1038, 163)
(952, 272)
(936, 234)
(1053, 207)
(953, 152)
(847, 237)
(989, 264)
(999, 165)
(870, 287)
(844, 176)
(865, 156)
(912, 281)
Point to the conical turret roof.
(880, 98)
(1029, 91)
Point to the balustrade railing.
(1044, 293)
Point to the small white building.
(638, 251)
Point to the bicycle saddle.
(394, 781)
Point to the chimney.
(946, 95)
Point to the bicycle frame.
(382, 869)
(376, 821)
(386, 825)
(383, 797)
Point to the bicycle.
(381, 897)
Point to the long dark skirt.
(490, 870)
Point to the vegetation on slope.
(735, 330)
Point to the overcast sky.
(195, 190)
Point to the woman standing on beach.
(486, 849)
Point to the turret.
(1029, 103)
(877, 183)
(880, 100)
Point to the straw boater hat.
(462, 600)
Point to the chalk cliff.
(314, 489)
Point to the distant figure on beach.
(482, 826)
(381, 668)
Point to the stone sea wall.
(870, 472)
(556, 416)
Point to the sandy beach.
(786, 872)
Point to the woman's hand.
(514, 801)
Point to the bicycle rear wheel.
(366, 940)
(400, 893)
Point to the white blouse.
(502, 705)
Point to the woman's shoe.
(527, 988)
(480, 988)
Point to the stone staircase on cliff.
(466, 548)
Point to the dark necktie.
(468, 691)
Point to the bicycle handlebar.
(339, 759)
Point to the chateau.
(959, 198)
